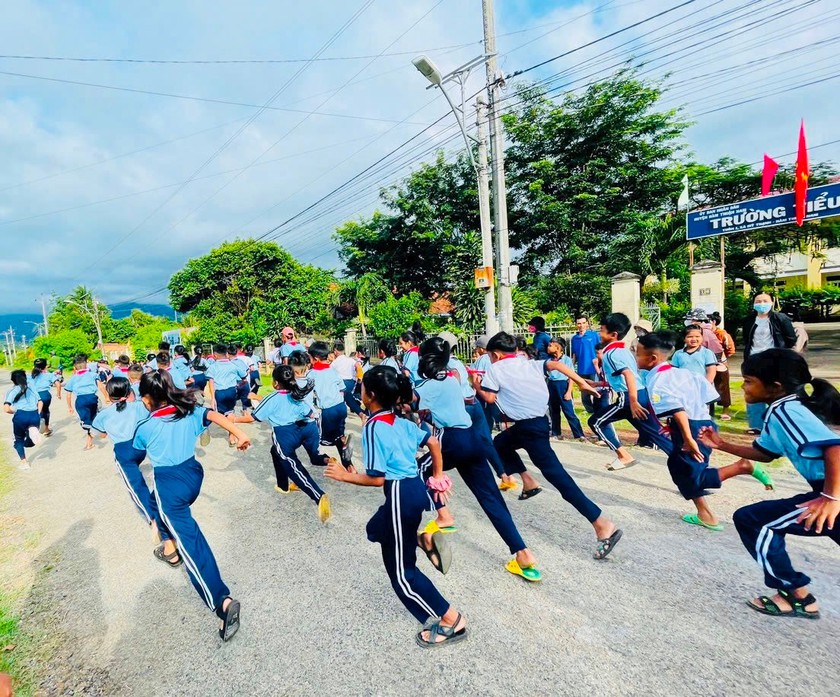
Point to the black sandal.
(797, 606)
(435, 629)
(606, 545)
(440, 554)
(230, 620)
(167, 558)
(528, 493)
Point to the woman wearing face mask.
(764, 329)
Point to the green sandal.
(693, 519)
(761, 475)
(769, 607)
(529, 573)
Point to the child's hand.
(691, 446)
(568, 395)
(638, 410)
(586, 389)
(818, 513)
(710, 437)
(335, 470)
(243, 443)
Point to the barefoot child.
(119, 421)
(24, 403)
(85, 384)
(290, 416)
(168, 435)
(42, 380)
(682, 398)
(522, 395)
(794, 427)
(632, 401)
(389, 446)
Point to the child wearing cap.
(290, 343)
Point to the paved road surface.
(664, 615)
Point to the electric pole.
(491, 325)
(44, 312)
(499, 191)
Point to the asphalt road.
(664, 615)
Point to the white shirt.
(520, 388)
(345, 367)
(274, 356)
(762, 336)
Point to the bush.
(66, 344)
(393, 316)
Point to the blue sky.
(116, 189)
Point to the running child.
(682, 398)
(104, 370)
(795, 427)
(389, 446)
(632, 401)
(164, 364)
(602, 402)
(694, 356)
(198, 369)
(121, 367)
(330, 391)
(222, 377)
(243, 386)
(290, 417)
(478, 368)
(560, 392)
(85, 384)
(181, 364)
(119, 422)
(168, 435)
(290, 343)
(388, 355)
(439, 395)
(41, 381)
(24, 403)
(411, 358)
(522, 395)
(135, 372)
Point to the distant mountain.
(157, 310)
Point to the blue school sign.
(758, 213)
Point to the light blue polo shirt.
(617, 359)
(556, 375)
(466, 389)
(83, 382)
(120, 425)
(389, 446)
(329, 387)
(445, 400)
(119, 372)
(167, 441)
(411, 362)
(28, 402)
(43, 381)
(795, 432)
(281, 409)
(482, 363)
(135, 388)
(226, 373)
(182, 366)
(697, 361)
(290, 347)
(392, 362)
(177, 378)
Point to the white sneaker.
(24, 466)
(35, 434)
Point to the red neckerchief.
(388, 417)
(165, 411)
(292, 343)
(663, 367)
(80, 372)
(123, 370)
(508, 356)
(319, 365)
(414, 349)
(613, 345)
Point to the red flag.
(800, 187)
(768, 174)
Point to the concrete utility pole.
(499, 191)
(491, 324)
(44, 312)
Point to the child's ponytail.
(160, 390)
(39, 366)
(824, 400)
(119, 390)
(19, 380)
(434, 359)
(284, 379)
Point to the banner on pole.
(759, 213)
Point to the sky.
(116, 188)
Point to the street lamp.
(484, 279)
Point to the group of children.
(427, 400)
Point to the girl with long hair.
(24, 403)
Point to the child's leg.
(243, 389)
(507, 443)
(554, 399)
(568, 407)
(395, 526)
(138, 490)
(616, 411)
(286, 442)
(309, 437)
(45, 410)
(485, 438)
(333, 424)
(350, 398)
(19, 428)
(279, 471)
(176, 488)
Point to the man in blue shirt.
(583, 354)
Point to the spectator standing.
(764, 329)
(541, 337)
(722, 377)
(583, 355)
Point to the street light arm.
(461, 126)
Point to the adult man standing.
(583, 354)
(764, 329)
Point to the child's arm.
(335, 470)
(212, 385)
(711, 438)
(572, 375)
(254, 397)
(100, 387)
(822, 511)
(486, 395)
(69, 401)
(243, 419)
(711, 371)
(8, 409)
(242, 440)
(633, 394)
(681, 419)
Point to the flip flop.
(617, 465)
(324, 509)
(507, 486)
(441, 550)
(292, 487)
(606, 545)
(432, 527)
(167, 558)
(725, 417)
(230, 621)
(529, 573)
(529, 493)
(761, 475)
(693, 519)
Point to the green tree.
(67, 344)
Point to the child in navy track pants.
(24, 403)
(389, 445)
(169, 436)
(85, 384)
(794, 427)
